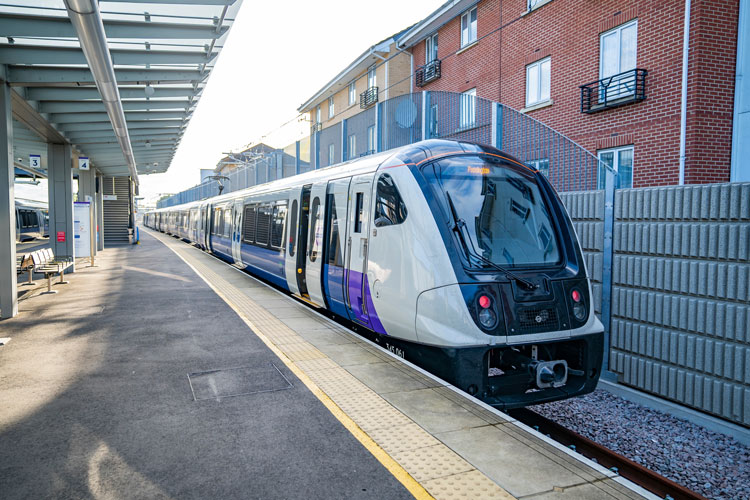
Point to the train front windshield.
(501, 212)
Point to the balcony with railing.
(427, 73)
(316, 127)
(613, 91)
(368, 97)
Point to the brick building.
(378, 74)
(534, 56)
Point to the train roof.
(24, 203)
(410, 154)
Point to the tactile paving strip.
(438, 469)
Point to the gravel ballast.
(707, 462)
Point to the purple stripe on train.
(355, 297)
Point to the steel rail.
(633, 471)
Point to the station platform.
(166, 373)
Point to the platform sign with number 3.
(35, 161)
(83, 163)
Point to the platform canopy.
(162, 53)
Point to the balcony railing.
(427, 73)
(368, 97)
(614, 91)
(316, 127)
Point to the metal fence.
(407, 119)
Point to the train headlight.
(487, 318)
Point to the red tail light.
(576, 296)
(484, 302)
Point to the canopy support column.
(60, 181)
(8, 283)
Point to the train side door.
(201, 237)
(314, 264)
(337, 202)
(292, 230)
(237, 232)
(356, 286)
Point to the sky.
(278, 54)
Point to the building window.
(331, 152)
(537, 82)
(372, 80)
(371, 139)
(317, 114)
(352, 93)
(542, 165)
(469, 27)
(351, 146)
(431, 48)
(434, 131)
(331, 111)
(621, 161)
(467, 109)
(617, 55)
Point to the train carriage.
(452, 255)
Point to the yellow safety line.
(379, 453)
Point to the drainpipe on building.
(683, 97)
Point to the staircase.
(116, 212)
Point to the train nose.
(549, 373)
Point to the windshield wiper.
(459, 227)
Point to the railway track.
(635, 472)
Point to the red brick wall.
(568, 31)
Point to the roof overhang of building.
(434, 21)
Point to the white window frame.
(618, 92)
(331, 153)
(467, 109)
(619, 184)
(371, 139)
(372, 76)
(352, 93)
(331, 107)
(351, 146)
(317, 115)
(541, 164)
(431, 48)
(539, 98)
(470, 29)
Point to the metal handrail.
(616, 90)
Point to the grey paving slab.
(600, 490)
(349, 354)
(95, 400)
(508, 461)
(432, 411)
(384, 378)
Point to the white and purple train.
(453, 255)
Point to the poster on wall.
(82, 229)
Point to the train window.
(293, 229)
(248, 226)
(358, 210)
(263, 225)
(277, 225)
(389, 206)
(335, 256)
(510, 224)
(218, 222)
(227, 222)
(316, 230)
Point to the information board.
(82, 229)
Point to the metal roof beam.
(94, 106)
(81, 127)
(186, 2)
(18, 25)
(98, 136)
(30, 54)
(79, 93)
(59, 118)
(30, 75)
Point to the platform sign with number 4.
(83, 163)
(35, 161)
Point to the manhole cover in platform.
(241, 381)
